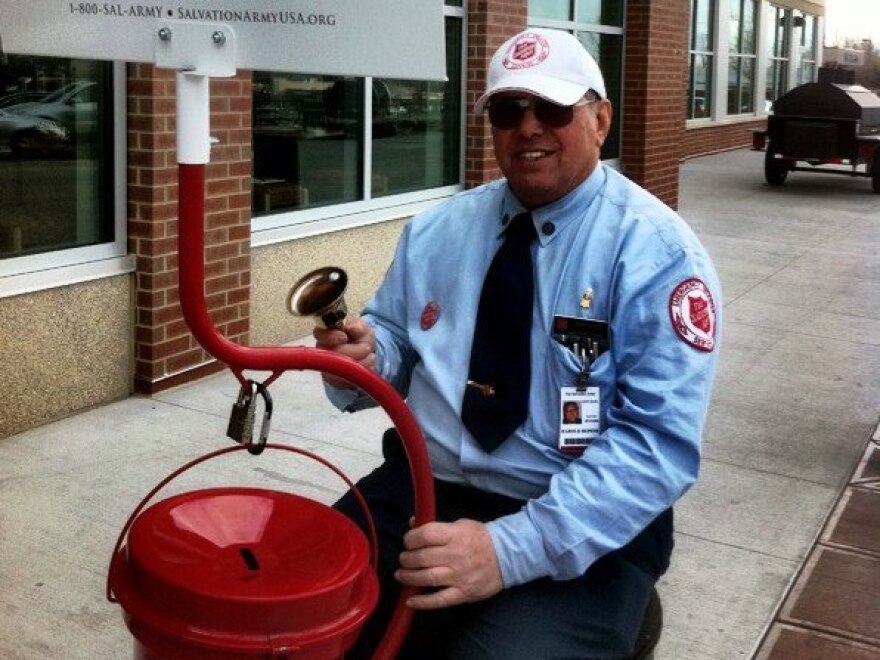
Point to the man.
(546, 544)
(571, 412)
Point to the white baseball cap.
(551, 64)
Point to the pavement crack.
(737, 546)
(278, 476)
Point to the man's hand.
(355, 339)
(456, 559)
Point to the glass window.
(600, 12)
(702, 56)
(777, 54)
(598, 26)
(307, 140)
(733, 44)
(559, 10)
(310, 135)
(741, 85)
(748, 34)
(742, 56)
(56, 154)
(416, 141)
(807, 64)
(782, 19)
(700, 98)
(607, 49)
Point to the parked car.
(51, 125)
(14, 98)
(25, 136)
(74, 106)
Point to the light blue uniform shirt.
(607, 235)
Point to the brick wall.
(490, 24)
(655, 88)
(712, 138)
(165, 352)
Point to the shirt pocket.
(563, 367)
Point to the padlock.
(257, 447)
(242, 418)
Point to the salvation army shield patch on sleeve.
(692, 312)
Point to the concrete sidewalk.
(797, 397)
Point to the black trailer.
(823, 124)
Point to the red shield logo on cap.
(430, 315)
(692, 312)
(529, 50)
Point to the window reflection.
(55, 154)
(741, 83)
(702, 58)
(807, 65)
(604, 44)
(309, 145)
(607, 50)
(600, 12)
(555, 9)
(700, 102)
(777, 55)
(743, 54)
(416, 128)
(307, 140)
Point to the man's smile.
(534, 154)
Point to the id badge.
(578, 419)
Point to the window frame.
(302, 223)
(37, 272)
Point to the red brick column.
(655, 78)
(490, 23)
(165, 352)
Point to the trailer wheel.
(875, 171)
(775, 171)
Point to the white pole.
(193, 118)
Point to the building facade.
(310, 171)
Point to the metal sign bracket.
(205, 49)
(198, 52)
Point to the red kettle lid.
(236, 568)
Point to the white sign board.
(389, 38)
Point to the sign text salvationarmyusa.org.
(333, 37)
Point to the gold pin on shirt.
(587, 299)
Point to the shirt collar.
(559, 214)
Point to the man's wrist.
(519, 549)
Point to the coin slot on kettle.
(250, 560)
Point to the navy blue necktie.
(496, 398)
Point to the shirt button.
(548, 228)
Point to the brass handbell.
(319, 293)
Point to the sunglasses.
(508, 113)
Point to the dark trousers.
(596, 616)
